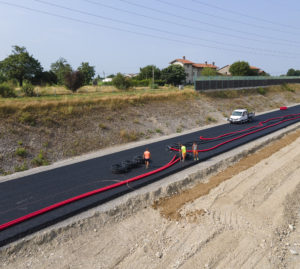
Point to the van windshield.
(237, 113)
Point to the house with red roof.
(225, 70)
(193, 70)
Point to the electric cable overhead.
(180, 24)
(159, 30)
(224, 18)
(244, 15)
(209, 24)
(138, 33)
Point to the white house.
(107, 80)
(225, 70)
(193, 70)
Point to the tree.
(121, 82)
(87, 71)
(46, 77)
(207, 71)
(2, 77)
(60, 68)
(20, 65)
(293, 72)
(240, 68)
(74, 80)
(147, 72)
(173, 74)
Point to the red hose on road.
(87, 194)
(252, 127)
(172, 162)
(230, 140)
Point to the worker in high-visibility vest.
(147, 157)
(183, 152)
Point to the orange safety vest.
(147, 154)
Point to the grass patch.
(102, 126)
(287, 87)
(210, 119)
(27, 118)
(72, 103)
(21, 152)
(261, 91)
(128, 136)
(21, 168)
(159, 131)
(40, 159)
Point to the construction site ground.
(246, 215)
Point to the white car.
(241, 116)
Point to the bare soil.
(244, 217)
(32, 139)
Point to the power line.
(244, 14)
(174, 22)
(133, 32)
(206, 23)
(224, 18)
(156, 29)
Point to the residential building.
(225, 70)
(193, 70)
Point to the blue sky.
(124, 35)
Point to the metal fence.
(222, 82)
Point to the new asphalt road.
(22, 196)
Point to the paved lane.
(30, 193)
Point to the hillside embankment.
(42, 130)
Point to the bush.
(140, 83)
(40, 159)
(286, 87)
(7, 91)
(28, 90)
(121, 82)
(74, 80)
(21, 168)
(261, 91)
(21, 152)
(27, 118)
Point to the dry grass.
(71, 103)
(60, 99)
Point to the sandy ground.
(244, 217)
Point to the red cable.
(84, 195)
(172, 162)
(225, 142)
(259, 124)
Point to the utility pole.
(152, 76)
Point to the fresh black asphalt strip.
(24, 195)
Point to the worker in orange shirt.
(146, 157)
